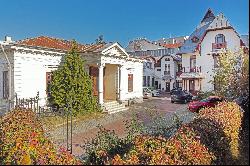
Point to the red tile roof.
(55, 43)
(175, 45)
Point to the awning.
(192, 75)
(167, 78)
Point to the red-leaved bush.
(211, 138)
(23, 142)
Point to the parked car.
(174, 89)
(147, 93)
(189, 95)
(180, 96)
(211, 101)
(154, 92)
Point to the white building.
(200, 52)
(163, 73)
(116, 76)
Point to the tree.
(232, 75)
(99, 40)
(71, 86)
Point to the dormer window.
(220, 38)
(167, 59)
(195, 39)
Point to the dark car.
(180, 96)
(175, 89)
(211, 101)
(189, 95)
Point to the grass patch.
(53, 122)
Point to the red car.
(211, 101)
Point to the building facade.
(162, 73)
(200, 52)
(26, 66)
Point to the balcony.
(218, 46)
(195, 69)
(166, 72)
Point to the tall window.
(153, 81)
(148, 81)
(192, 62)
(130, 82)
(220, 38)
(216, 61)
(144, 80)
(5, 85)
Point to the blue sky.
(117, 20)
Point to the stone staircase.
(113, 107)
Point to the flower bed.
(24, 143)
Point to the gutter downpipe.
(9, 69)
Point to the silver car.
(147, 93)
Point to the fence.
(33, 104)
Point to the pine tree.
(71, 86)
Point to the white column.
(100, 83)
(120, 82)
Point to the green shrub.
(23, 142)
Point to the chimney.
(7, 39)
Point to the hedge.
(218, 129)
(211, 138)
(23, 142)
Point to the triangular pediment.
(115, 50)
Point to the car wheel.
(172, 101)
(185, 101)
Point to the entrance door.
(191, 86)
(167, 86)
(156, 85)
(93, 72)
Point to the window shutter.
(130, 82)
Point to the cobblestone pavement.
(87, 130)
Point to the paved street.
(87, 130)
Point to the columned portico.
(120, 89)
(100, 83)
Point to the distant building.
(144, 47)
(172, 44)
(162, 73)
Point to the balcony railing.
(195, 69)
(192, 70)
(216, 46)
(166, 72)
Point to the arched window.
(220, 38)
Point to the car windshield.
(178, 92)
(205, 100)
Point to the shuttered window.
(5, 85)
(130, 82)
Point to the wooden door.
(93, 72)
